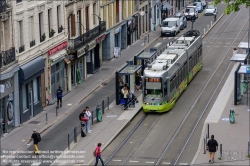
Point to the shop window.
(24, 96)
(35, 90)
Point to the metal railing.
(7, 57)
(76, 131)
(32, 43)
(21, 49)
(87, 37)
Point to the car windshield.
(210, 7)
(168, 24)
(153, 87)
(188, 10)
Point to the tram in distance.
(169, 74)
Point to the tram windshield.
(153, 87)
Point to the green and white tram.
(169, 74)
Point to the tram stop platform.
(234, 138)
(113, 122)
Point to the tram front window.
(153, 88)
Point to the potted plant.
(43, 37)
(60, 29)
(51, 33)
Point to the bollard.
(46, 117)
(207, 27)
(248, 149)
(220, 151)
(56, 111)
(208, 130)
(204, 146)
(204, 31)
(68, 143)
(92, 117)
(98, 114)
(103, 107)
(75, 135)
(108, 102)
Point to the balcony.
(7, 57)
(21, 49)
(32, 43)
(85, 38)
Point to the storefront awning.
(31, 70)
(58, 56)
(167, 5)
(239, 58)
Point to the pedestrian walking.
(59, 95)
(36, 137)
(88, 122)
(212, 147)
(97, 154)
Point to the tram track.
(184, 122)
(177, 132)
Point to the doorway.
(96, 58)
(31, 103)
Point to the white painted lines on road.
(16, 164)
(157, 45)
(133, 161)
(149, 162)
(35, 164)
(225, 46)
(165, 163)
(117, 160)
(228, 43)
(183, 164)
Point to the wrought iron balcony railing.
(32, 43)
(21, 49)
(87, 37)
(3, 6)
(7, 57)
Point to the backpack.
(39, 137)
(94, 153)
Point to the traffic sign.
(247, 69)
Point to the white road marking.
(142, 44)
(116, 160)
(225, 46)
(132, 161)
(170, 38)
(16, 164)
(36, 164)
(157, 45)
(216, 46)
(165, 163)
(150, 162)
(183, 163)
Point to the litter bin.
(98, 114)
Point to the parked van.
(183, 20)
(199, 6)
(191, 12)
(170, 26)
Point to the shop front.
(57, 71)
(132, 29)
(30, 88)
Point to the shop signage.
(118, 30)
(86, 48)
(58, 48)
(99, 39)
(6, 87)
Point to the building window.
(87, 18)
(79, 23)
(31, 31)
(49, 19)
(24, 96)
(41, 27)
(20, 26)
(18, 1)
(35, 90)
(59, 23)
(71, 25)
(94, 13)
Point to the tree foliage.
(233, 5)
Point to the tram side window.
(195, 57)
(190, 64)
(166, 88)
(179, 77)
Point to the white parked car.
(210, 10)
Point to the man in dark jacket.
(59, 94)
(35, 139)
(212, 147)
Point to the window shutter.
(73, 24)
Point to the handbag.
(85, 119)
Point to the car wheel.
(175, 33)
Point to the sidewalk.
(233, 137)
(18, 138)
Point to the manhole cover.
(34, 122)
(105, 69)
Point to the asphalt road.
(199, 96)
